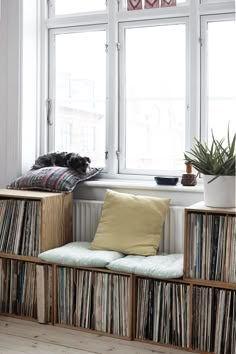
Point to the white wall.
(10, 127)
(18, 88)
(30, 72)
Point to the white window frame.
(204, 56)
(115, 19)
(122, 69)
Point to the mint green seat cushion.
(78, 254)
(126, 264)
(161, 266)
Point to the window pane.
(80, 96)
(215, 1)
(221, 77)
(155, 97)
(63, 7)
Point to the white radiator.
(86, 215)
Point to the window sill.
(142, 185)
(179, 195)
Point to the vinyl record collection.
(214, 320)
(211, 247)
(163, 312)
(18, 292)
(20, 226)
(197, 312)
(93, 300)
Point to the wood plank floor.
(20, 336)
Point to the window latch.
(118, 46)
(117, 154)
(106, 155)
(49, 111)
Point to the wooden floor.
(20, 336)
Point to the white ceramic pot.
(221, 192)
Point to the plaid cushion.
(53, 179)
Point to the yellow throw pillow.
(130, 224)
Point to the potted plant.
(217, 164)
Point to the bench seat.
(161, 266)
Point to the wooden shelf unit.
(55, 215)
(210, 269)
(210, 244)
(207, 311)
(194, 313)
(26, 285)
(167, 312)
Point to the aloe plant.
(217, 160)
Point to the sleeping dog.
(63, 159)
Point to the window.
(220, 86)
(79, 87)
(62, 7)
(155, 97)
(131, 89)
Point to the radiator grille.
(86, 215)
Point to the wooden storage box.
(94, 299)
(32, 222)
(26, 289)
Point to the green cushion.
(78, 254)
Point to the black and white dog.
(63, 159)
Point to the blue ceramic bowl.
(166, 180)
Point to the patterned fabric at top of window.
(150, 4)
(65, 7)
